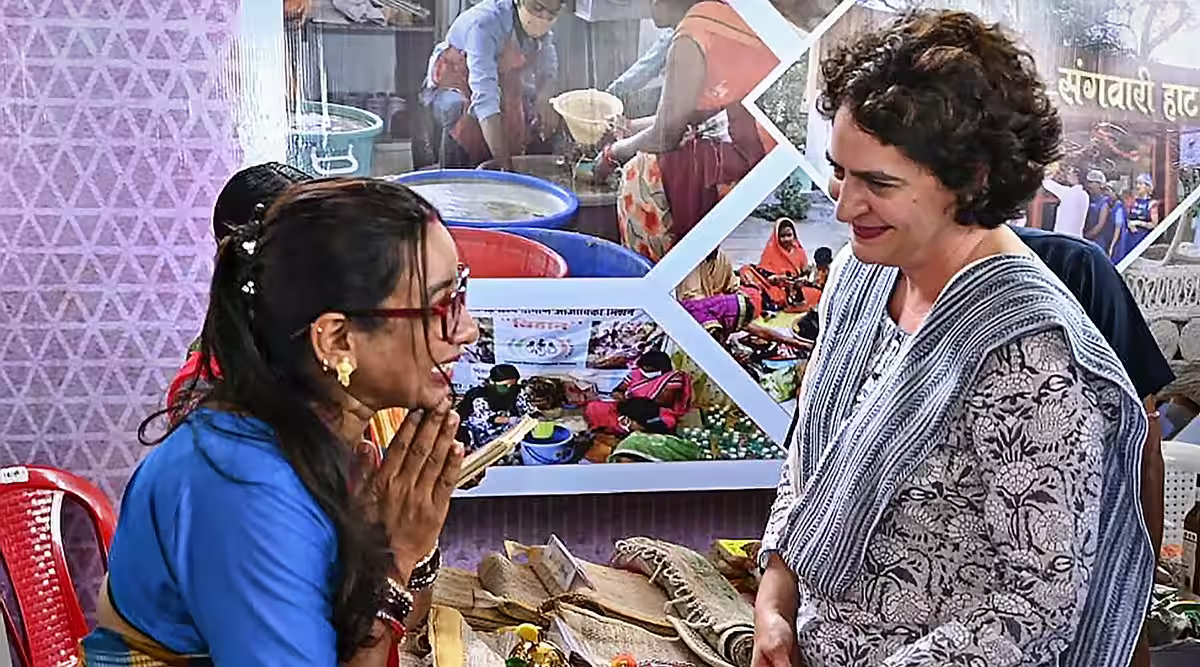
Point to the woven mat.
(455, 588)
(627, 595)
(601, 638)
(697, 644)
(699, 595)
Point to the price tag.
(14, 475)
(564, 569)
(737, 548)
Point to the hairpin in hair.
(246, 238)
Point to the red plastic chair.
(31, 550)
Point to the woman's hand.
(609, 161)
(412, 489)
(774, 641)
(775, 617)
(547, 115)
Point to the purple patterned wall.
(590, 524)
(116, 132)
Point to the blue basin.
(588, 256)
(492, 199)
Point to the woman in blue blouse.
(259, 531)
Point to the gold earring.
(344, 369)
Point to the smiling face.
(406, 361)
(900, 213)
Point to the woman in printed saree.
(246, 195)
(781, 270)
(642, 446)
(962, 487)
(488, 410)
(724, 315)
(714, 275)
(256, 532)
(654, 379)
(701, 141)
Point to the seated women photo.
(488, 411)
(654, 381)
(782, 272)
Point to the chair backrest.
(31, 549)
(8, 638)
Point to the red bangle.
(606, 157)
(397, 627)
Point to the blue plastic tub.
(335, 152)
(477, 189)
(588, 256)
(558, 448)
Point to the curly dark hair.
(959, 97)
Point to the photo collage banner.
(647, 253)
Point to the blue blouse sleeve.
(255, 567)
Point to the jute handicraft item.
(704, 601)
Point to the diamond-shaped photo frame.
(757, 293)
(320, 89)
(653, 293)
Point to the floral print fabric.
(481, 419)
(984, 555)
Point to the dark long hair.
(325, 246)
(249, 188)
(241, 201)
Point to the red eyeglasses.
(449, 308)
